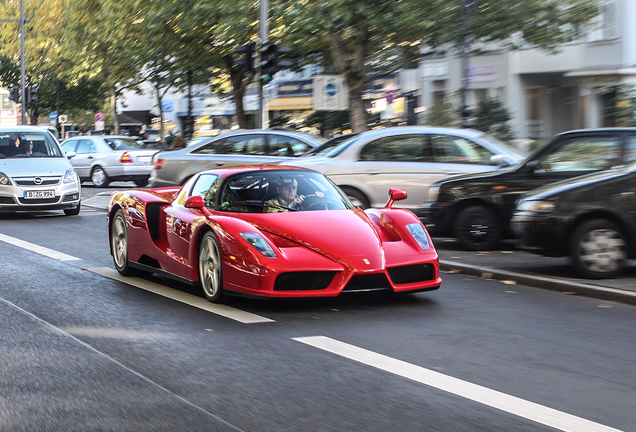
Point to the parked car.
(591, 218)
(246, 147)
(229, 237)
(476, 209)
(409, 157)
(151, 137)
(102, 159)
(329, 145)
(34, 173)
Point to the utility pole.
(22, 59)
(264, 8)
(468, 6)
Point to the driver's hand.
(320, 194)
(298, 200)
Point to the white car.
(102, 159)
(411, 158)
(35, 174)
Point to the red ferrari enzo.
(270, 231)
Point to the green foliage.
(622, 110)
(493, 117)
(328, 120)
(442, 114)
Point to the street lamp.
(22, 60)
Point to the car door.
(85, 157)
(244, 149)
(401, 161)
(570, 157)
(456, 155)
(284, 146)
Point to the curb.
(549, 283)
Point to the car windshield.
(124, 144)
(338, 148)
(28, 145)
(271, 191)
(328, 146)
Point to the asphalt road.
(84, 351)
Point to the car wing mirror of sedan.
(196, 202)
(500, 160)
(70, 154)
(395, 194)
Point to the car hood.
(34, 166)
(482, 176)
(350, 233)
(576, 183)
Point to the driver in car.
(286, 199)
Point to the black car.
(476, 208)
(591, 218)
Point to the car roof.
(300, 135)
(226, 172)
(22, 128)
(470, 133)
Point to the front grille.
(303, 281)
(70, 197)
(7, 200)
(412, 273)
(368, 282)
(39, 201)
(30, 181)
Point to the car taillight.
(125, 158)
(157, 163)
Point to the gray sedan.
(409, 157)
(246, 147)
(102, 159)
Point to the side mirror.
(395, 194)
(500, 160)
(532, 166)
(195, 202)
(70, 154)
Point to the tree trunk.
(357, 112)
(238, 90)
(159, 100)
(113, 107)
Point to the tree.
(364, 40)
(493, 117)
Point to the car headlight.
(417, 231)
(433, 193)
(535, 205)
(259, 244)
(70, 176)
(4, 179)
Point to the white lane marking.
(180, 296)
(511, 404)
(38, 249)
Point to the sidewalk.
(508, 264)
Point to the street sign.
(330, 93)
(390, 96)
(53, 116)
(63, 119)
(99, 117)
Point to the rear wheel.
(141, 182)
(210, 274)
(598, 249)
(99, 177)
(119, 244)
(357, 198)
(477, 228)
(74, 211)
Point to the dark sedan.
(592, 219)
(476, 208)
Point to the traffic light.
(272, 60)
(14, 95)
(31, 94)
(247, 61)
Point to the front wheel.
(477, 228)
(598, 249)
(119, 244)
(99, 177)
(210, 272)
(141, 182)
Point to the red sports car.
(270, 231)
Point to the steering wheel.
(316, 203)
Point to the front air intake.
(303, 281)
(412, 273)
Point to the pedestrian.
(178, 143)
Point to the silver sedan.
(409, 157)
(102, 159)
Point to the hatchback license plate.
(39, 194)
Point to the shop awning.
(291, 103)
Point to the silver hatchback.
(34, 173)
(102, 159)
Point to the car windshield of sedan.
(28, 145)
(274, 191)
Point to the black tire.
(99, 177)
(119, 244)
(210, 268)
(141, 182)
(477, 228)
(74, 211)
(357, 198)
(598, 249)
